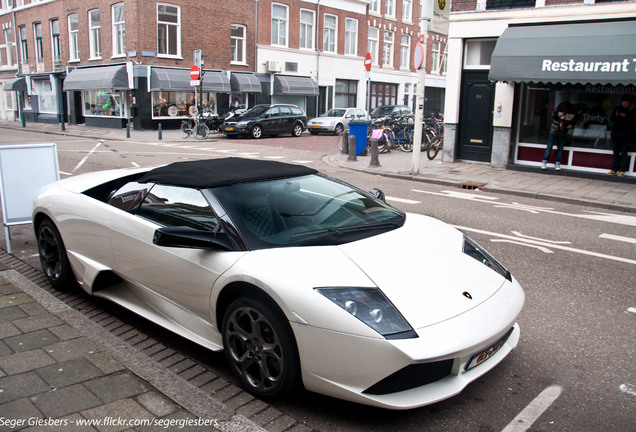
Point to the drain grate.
(471, 185)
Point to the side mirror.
(186, 237)
(377, 193)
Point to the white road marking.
(618, 238)
(135, 164)
(541, 248)
(534, 410)
(631, 310)
(99, 143)
(517, 233)
(403, 200)
(554, 246)
(628, 388)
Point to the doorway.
(476, 116)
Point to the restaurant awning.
(179, 80)
(98, 78)
(582, 53)
(245, 83)
(16, 84)
(295, 85)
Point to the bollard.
(345, 142)
(375, 161)
(352, 149)
(62, 127)
(127, 130)
(159, 132)
(23, 120)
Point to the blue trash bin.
(359, 130)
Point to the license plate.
(316, 127)
(478, 359)
(229, 128)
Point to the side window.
(178, 206)
(129, 196)
(296, 111)
(285, 111)
(272, 112)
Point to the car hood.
(422, 269)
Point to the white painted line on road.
(403, 200)
(628, 388)
(541, 248)
(303, 161)
(135, 164)
(517, 233)
(631, 310)
(274, 157)
(87, 156)
(618, 238)
(534, 410)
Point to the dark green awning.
(179, 80)
(98, 78)
(582, 53)
(16, 84)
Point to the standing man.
(563, 119)
(623, 120)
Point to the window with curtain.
(307, 18)
(405, 51)
(39, 47)
(351, 36)
(373, 42)
(387, 49)
(94, 26)
(73, 37)
(119, 30)
(279, 24)
(329, 35)
(168, 30)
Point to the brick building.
(110, 63)
(512, 62)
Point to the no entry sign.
(195, 72)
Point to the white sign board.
(24, 169)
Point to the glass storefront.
(46, 95)
(593, 104)
(104, 103)
(172, 104)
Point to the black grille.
(412, 376)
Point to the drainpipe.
(318, 56)
(256, 36)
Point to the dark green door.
(475, 116)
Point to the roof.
(209, 173)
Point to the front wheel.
(256, 132)
(185, 129)
(260, 347)
(433, 148)
(53, 257)
(297, 130)
(201, 131)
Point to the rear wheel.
(260, 347)
(185, 129)
(201, 131)
(53, 255)
(433, 148)
(297, 130)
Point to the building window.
(374, 7)
(382, 94)
(444, 68)
(405, 52)
(94, 26)
(329, 43)
(119, 30)
(479, 53)
(73, 37)
(389, 8)
(373, 42)
(104, 103)
(307, 18)
(55, 44)
(39, 48)
(168, 30)
(24, 46)
(351, 36)
(407, 11)
(346, 93)
(279, 24)
(435, 57)
(237, 43)
(6, 50)
(387, 49)
(509, 4)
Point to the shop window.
(593, 105)
(46, 96)
(346, 93)
(237, 44)
(351, 36)
(307, 19)
(94, 36)
(279, 24)
(73, 37)
(104, 103)
(168, 30)
(173, 104)
(329, 42)
(119, 30)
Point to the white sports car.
(281, 267)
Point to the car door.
(271, 121)
(286, 119)
(174, 282)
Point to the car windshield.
(382, 111)
(335, 112)
(255, 111)
(303, 211)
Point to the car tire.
(53, 257)
(297, 130)
(256, 132)
(260, 347)
(339, 129)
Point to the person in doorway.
(563, 119)
(623, 120)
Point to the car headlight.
(371, 306)
(472, 249)
(242, 123)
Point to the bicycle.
(197, 128)
(432, 137)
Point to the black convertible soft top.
(209, 173)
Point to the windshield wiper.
(348, 229)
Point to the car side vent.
(412, 376)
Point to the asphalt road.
(574, 367)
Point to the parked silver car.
(335, 120)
